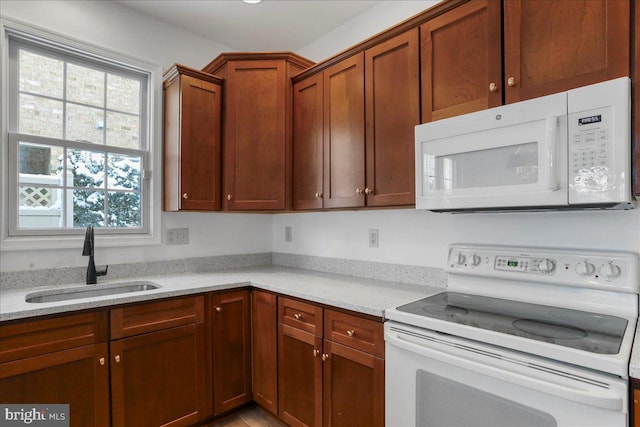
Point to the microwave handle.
(551, 154)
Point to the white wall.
(110, 25)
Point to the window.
(78, 146)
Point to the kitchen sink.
(90, 291)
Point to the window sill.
(76, 241)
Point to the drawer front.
(300, 315)
(41, 336)
(154, 316)
(355, 332)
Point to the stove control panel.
(573, 267)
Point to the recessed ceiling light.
(252, 1)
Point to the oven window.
(440, 403)
(494, 167)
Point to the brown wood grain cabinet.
(257, 128)
(264, 349)
(58, 360)
(192, 140)
(231, 317)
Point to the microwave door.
(512, 166)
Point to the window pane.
(39, 164)
(124, 209)
(85, 85)
(88, 208)
(123, 130)
(86, 167)
(123, 94)
(40, 74)
(40, 116)
(85, 124)
(39, 207)
(123, 172)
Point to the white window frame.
(14, 239)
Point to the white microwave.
(567, 150)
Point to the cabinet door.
(461, 60)
(156, 378)
(231, 350)
(344, 178)
(393, 110)
(299, 377)
(353, 387)
(78, 377)
(264, 339)
(558, 45)
(255, 135)
(307, 143)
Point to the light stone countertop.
(367, 296)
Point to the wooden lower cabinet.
(231, 317)
(264, 349)
(78, 377)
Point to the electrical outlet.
(373, 238)
(177, 236)
(288, 234)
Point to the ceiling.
(273, 25)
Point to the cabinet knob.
(359, 190)
(493, 87)
(316, 352)
(511, 81)
(318, 195)
(297, 316)
(325, 357)
(185, 196)
(101, 361)
(117, 358)
(229, 197)
(368, 190)
(218, 309)
(351, 332)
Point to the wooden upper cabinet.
(392, 96)
(344, 140)
(559, 45)
(257, 128)
(308, 125)
(192, 140)
(461, 55)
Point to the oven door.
(438, 380)
(512, 156)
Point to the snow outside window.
(78, 148)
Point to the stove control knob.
(585, 268)
(610, 270)
(459, 259)
(546, 265)
(475, 259)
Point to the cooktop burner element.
(596, 333)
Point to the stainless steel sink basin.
(90, 291)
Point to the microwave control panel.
(589, 143)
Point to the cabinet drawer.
(301, 315)
(154, 316)
(355, 332)
(35, 337)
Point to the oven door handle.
(583, 392)
(551, 152)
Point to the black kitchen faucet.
(87, 250)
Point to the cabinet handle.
(351, 332)
(229, 197)
(117, 358)
(316, 352)
(297, 316)
(319, 195)
(185, 196)
(368, 190)
(325, 357)
(218, 309)
(101, 361)
(359, 190)
(493, 87)
(511, 81)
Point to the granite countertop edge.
(362, 295)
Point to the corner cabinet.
(264, 347)
(257, 128)
(192, 140)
